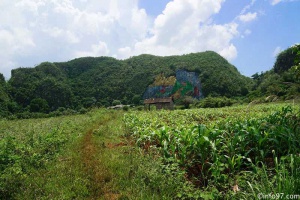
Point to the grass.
(98, 156)
(78, 157)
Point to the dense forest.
(83, 83)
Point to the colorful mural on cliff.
(184, 84)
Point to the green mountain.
(283, 80)
(89, 81)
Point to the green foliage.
(283, 80)
(286, 59)
(190, 154)
(230, 150)
(88, 82)
(47, 69)
(5, 100)
(21, 152)
(45, 159)
(126, 108)
(46, 81)
(3, 90)
(89, 102)
(2, 79)
(39, 105)
(296, 71)
(136, 99)
(215, 102)
(38, 159)
(187, 101)
(116, 102)
(57, 94)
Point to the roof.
(158, 100)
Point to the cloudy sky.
(249, 33)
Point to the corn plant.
(217, 145)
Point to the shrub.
(126, 108)
(215, 102)
(82, 111)
(116, 102)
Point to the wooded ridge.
(98, 81)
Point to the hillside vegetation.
(283, 80)
(86, 82)
(240, 152)
(82, 83)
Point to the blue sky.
(249, 33)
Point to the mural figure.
(184, 84)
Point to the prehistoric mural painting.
(184, 84)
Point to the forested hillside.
(283, 80)
(87, 82)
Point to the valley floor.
(117, 155)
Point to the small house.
(160, 103)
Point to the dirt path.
(98, 174)
(114, 168)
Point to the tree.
(286, 59)
(57, 94)
(296, 68)
(89, 102)
(2, 79)
(39, 105)
(136, 99)
(116, 102)
(296, 71)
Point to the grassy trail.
(83, 168)
(79, 157)
(91, 151)
(116, 169)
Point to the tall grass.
(30, 150)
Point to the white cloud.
(185, 26)
(248, 17)
(124, 52)
(276, 51)
(59, 30)
(100, 49)
(14, 42)
(274, 2)
(55, 32)
(247, 32)
(247, 7)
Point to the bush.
(116, 102)
(126, 108)
(39, 105)
(215, 102)
(82, 111)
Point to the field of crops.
(234, 152)
(239, 152)
(32, 156)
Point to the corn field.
(232, 152)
